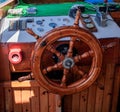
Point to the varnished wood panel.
(8, 99)
(2, 99)
(110, 55)
(108, 90)
(99, 97)
(116, 88)
(17, 100)
(75, 102)
(116, 16)
(35, 99)
(4, 63)
(91, 98)
(52, 101)
(26, 49)
(44, 100)
(83, 100)
(27, 97)
(119, 53)
(102, 96)
(100, 90)
(67, 104)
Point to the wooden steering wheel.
(71, 78)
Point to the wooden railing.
(5, 6)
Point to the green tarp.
(51, 9)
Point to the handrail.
(7, 3)
(5, 6)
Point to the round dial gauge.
(89, 25)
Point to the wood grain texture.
(110, 69)
(27, 98)
(17, 100)
(116, 88)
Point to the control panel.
(13, 29)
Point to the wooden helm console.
(72, 78)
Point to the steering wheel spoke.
(64, 77)
(54, 67)
(54, 51)
(78, 71)
(71, 44)
(84, 55)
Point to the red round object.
(15, 56)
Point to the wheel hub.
(68, 63)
